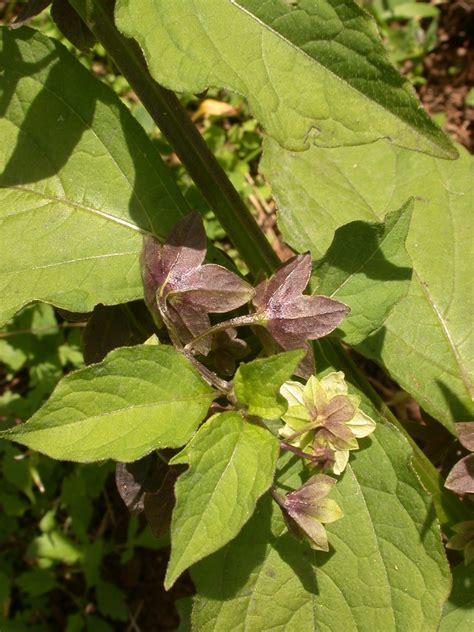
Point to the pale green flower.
(322, 416)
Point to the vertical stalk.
(175, 124)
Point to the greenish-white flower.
(323, 417)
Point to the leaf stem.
(304, 455)
(210, 377)
(175, 124)
(239, 321)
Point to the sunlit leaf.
(136, 400)
(313, 71)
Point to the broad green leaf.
(314, 71)
(426, 342)
(386, 569)
(80, 182)
(136, 400)
(257, 383)
(368, 268)
(231, 464)
(458, 613)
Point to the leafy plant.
(232, 462)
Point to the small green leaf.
(313, 71)
(36, 582)
(55, 546)
(458, 613)
(136, 400)
(231, 464)
(257, 383)
(111, 601)
(368, 268)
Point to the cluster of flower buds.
(322, 423)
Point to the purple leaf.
(216, 289)
(466, 434)
(159, 505)
(185, 247)
(291, 317)
(184, 291)
(135, 479)
(461, 478)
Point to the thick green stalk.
(173, 121)
(175, 124)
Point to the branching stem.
(239, 321)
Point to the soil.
(449, 71)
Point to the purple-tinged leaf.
(152, 275)
(226, 349)
(215, 289)
(135, 479)
(304, 318)
(463, 540)
(461, 478)
(184, 291)
(292, 318)
(190, 321)
(159, 505)
(185, 247)
(465, 432)
(287, 283)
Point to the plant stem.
(175, 124)
(304, 455)
(239, 321)
(210, 377)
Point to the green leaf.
(426, 342)
(36, 582)
(368, 268)
(312, 71)
(458, 613)
(386, 570)
(136, 400)
(231, 464)
(55, 546)
(257, 383)
(80, 182)
(111, 601)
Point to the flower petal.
(314, 396)
(341, 459)
(334, 384)
(361, 425)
